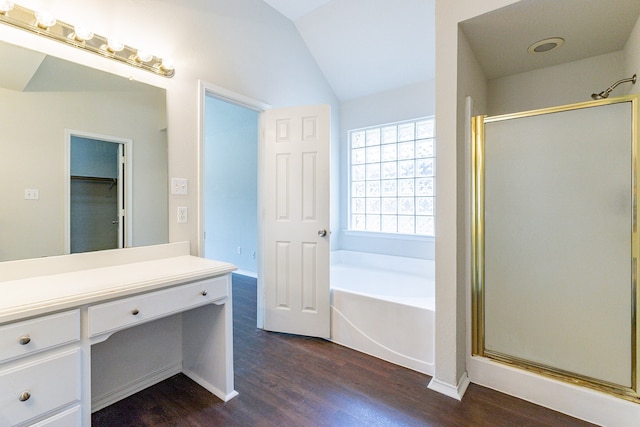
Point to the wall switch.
(179, 186)
(182, 215)
(31, 194)
(239, 250)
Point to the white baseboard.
(133, 387)
(206, 384)
(455, 392)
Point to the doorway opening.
(231, 184)
(98, 192)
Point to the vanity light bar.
(82, 38)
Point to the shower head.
(602, 95)
(605, 93)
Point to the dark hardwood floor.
(287, 380)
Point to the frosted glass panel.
(557, 240)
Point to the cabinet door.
(41, 385)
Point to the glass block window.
(392, 177)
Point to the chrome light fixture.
(80, 36)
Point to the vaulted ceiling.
(366, 47)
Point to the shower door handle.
(322, 232)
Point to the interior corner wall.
(562, 84)
(231, 184)
(404, 103)
(472, 82)
(631, 54)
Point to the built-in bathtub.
(384, 306)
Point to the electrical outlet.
(31, 194)
(179, 186)
(182, 215)
(239, 250)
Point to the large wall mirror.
(42, 99)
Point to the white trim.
(208, 89)
(383, 235)
(225, 397)
(580, 402)
(128, 150)
(455, 392)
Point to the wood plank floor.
(286, 380)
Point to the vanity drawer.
(34, 335)
(123, 313)
(69, 418)
(44, 384)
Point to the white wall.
(450, 375)
(632, 57)
(559, 85)
(405, 103)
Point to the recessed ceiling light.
(546, 45)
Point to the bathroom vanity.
(79, 332)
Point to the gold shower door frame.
(479, 287)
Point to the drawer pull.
(135, 311)
(204, 293)
(24, 396)
(24, 340)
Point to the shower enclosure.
(555, 242)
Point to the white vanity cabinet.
(67, 321)
(127, 312)
(40, 370)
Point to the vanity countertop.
(33, 296)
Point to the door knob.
(115, 221)
(322, 232)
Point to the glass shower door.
(555, 242)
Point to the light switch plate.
(179, 186)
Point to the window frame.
(350, 230)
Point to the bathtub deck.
(408, 289)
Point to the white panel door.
(296, 221)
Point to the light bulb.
(5, 6)
(81, 33)
(114, 45)
(167, 64)
(45, 19)
(142, 56)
